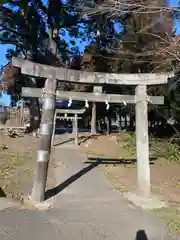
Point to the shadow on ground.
(114, 161)
(81, 139)
(93, 162)
(2, 193)
(61, 143)
(54, 191)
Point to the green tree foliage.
(145, 35)
(34, 27)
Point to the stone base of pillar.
(153, 202)
(27, 203)
(93, 132)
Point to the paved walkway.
(86, 207)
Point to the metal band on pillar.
(49, 103)
(46, 128)
(42, 156)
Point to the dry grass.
(95, 153)
(15, 172)
(17, 165)
(170, 216)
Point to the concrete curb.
(153, 202)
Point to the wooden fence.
(15, 118)
(125, 122)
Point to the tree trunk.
(34, 105)
(35, 115)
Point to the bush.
(173, 152)
(169, 150)
(129, 141)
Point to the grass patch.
(115, 182)
(15, 172)
(162, 150)
(158, 148)
(95, 153)
(170, 216)
(10, 161)
(128, 141)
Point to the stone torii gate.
(74, 119)
(140, 99)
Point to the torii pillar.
(97, 90)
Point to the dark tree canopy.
(34, 28)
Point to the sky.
(3, 48)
